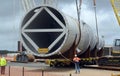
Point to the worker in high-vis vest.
(3, 64)
(77, 61)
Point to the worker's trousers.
(2, 70)
(77, 67)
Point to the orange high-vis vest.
(76, 59)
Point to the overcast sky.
(11, 14)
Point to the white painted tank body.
(93, 40)
(100, 44)
(47, 27)
(85, 38)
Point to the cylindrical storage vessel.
(88, 38)
(45, 31)
(93, 40)
(85, 38)
(100, 44)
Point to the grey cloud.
(9, 7)
(8, 44)
(9, 40)
(104, 5)
(100, 5)
(65, 1)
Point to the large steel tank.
(85, 38)
(93, 41)
(100, 44)
(45, 31)
(88, 39)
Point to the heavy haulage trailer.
(47, 33)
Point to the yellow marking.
(43, 50)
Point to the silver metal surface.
(46, 27)
(101, 43)
(85, 37)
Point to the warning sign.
(43, 50)
(116, 8)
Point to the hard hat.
(75, 55)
